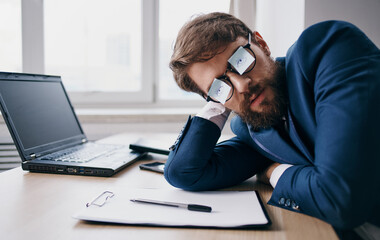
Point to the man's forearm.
(196, 162)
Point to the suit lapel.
(296, 138)
(277, 148)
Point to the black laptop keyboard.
(82, 153)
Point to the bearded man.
(307, 123)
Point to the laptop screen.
(39, 111)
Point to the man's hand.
(265, 175)
(216, 113)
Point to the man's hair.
(201, 39)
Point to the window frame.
(33, 60)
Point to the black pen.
(191, 207)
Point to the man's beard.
(272, 109)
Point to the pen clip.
(100, 200)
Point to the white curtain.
(245, 10)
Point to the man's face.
(258, 96)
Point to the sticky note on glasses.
(219, 91)
(241, 60)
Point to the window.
(116, 52)
(94, 44)
(10, 37)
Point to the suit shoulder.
(327, 44)
(334, 32)
(331, 24)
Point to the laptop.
(47, 132)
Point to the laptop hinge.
(33, 156)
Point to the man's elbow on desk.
(176, 175)
(183, 180)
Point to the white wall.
(280, 22)
(365, 14)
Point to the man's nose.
(241, 83)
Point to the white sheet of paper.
(230, 209)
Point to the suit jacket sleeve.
(342, 66)
(198, 163)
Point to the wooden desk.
(40, 206)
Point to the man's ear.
(260, 41)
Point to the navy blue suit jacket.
(333, 139)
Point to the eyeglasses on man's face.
(242, 61)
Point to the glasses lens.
(220, 90)
(243, 60)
